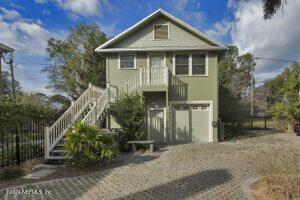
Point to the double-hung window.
(126, 62)
(191, 64)
(198, 64)
(182, 64)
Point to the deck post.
(141, 76)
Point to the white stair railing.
(54, 134)
(146, 76)
(97, 113)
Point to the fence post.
(46, 142)
(18, 155)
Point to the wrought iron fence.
(23, 141)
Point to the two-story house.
(175, 67)
(172, 65)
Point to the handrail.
(146, 76)
(57, 130)
(108, 96)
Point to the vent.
(161, 32)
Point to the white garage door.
(191, 123)
(200, 123)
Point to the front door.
(156, 123)
(155, 62)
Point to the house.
(173, 66)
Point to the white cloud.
(9, 14)
(82, 7)
(275, 38)
(40, 1)
(220, 29)
(46, 12)
(28, 38)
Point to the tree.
(7, 84)
(271, 7)
(74, 62)
(234, 85)
(284, 95)
(129, 113)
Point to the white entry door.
(156, 125)
(155, 74)
(156, 60)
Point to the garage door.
(191, 123)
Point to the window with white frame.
(126, 62)
(161, 32)
(190, 64)
(198, 64)
(182, 64)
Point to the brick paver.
(186, 171)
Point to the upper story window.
(161, 32)
(182, 64)
(126, 62)
(198, 64)
(191, 64)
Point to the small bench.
(133, 143)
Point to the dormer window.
(161, 32)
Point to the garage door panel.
(181, 126)
(200, 125)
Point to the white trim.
(127, 54)
(149, 17)
(161, 25)
(149, 122)
(211, 116)
(191, 64)
(177, 48)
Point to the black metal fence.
(22, 142)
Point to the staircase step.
(57, 158)
(58, 151)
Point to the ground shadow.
(184, 187)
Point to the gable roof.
(152, 16)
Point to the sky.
(27, 25)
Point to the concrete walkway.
(187, 171)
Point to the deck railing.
(146, 76)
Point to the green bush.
(12, 173)
(129, 113)
(87, 144)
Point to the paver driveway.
(186, 171)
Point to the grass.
(12, 173)
(279, 171)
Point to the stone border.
(246, 187)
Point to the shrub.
(129, 113)
(87, 144)
(12, 173)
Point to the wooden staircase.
(92, 106)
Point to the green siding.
(197, 88)
(181, 88)
(144, 37)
